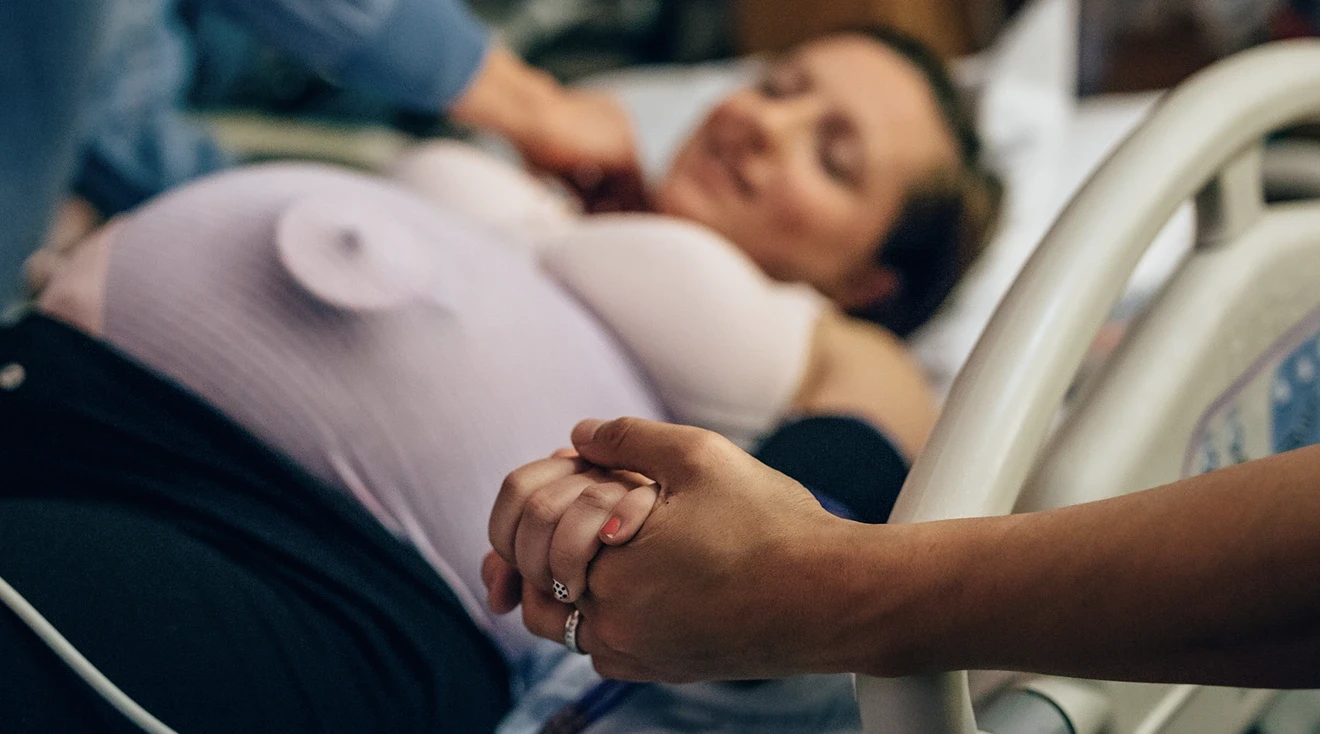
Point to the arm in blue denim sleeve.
(421, 53)
(48, 51)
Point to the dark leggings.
(213, 582)
(189, 634)
(225, 591)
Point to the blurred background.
(1124, 45)
(1055, 86)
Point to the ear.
(870, 286)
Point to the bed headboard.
(1234, 304)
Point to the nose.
(762, 125)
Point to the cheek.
(800, 202)
(808, 222)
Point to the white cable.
(88, 672)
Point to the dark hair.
(945, 221)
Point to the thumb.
(662, 451)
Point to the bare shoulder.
(861, 369)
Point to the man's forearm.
(1213, 579)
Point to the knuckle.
(542, 509)
(514, 482)
(700, 451)
(614, 434)
(710, 445)
(563, 560)
(598, 497)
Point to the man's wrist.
(508, 98)
(894, 600)
(836, 601)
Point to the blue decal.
(1295, 398)
(1209, 456)
(1237, 437)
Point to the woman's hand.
(576, 507)
(727, 578)
(551, 517)
(581, 136)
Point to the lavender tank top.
(418, 408)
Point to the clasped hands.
(687, 558)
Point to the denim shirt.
(421, 54)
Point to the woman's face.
(806, 171)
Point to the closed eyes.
(784, 79)
(841, 150)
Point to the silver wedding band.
(571, 632)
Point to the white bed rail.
(1203, 141)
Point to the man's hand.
(725, 579)
(583, 137)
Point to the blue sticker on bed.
(1272, 407)
(1295, 398)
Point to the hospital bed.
(1221, 368)
(1172, 384)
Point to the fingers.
(518, 487)
(577, 537)
(665, 452)
(629, 514)
(542, 615)
(542, 514)
(545, 617)
(615, 191)
(39, 270)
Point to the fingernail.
(561, 591)
(611, 527)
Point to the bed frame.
(1195, 385)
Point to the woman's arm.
(859, 369)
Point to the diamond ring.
(571, 632)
